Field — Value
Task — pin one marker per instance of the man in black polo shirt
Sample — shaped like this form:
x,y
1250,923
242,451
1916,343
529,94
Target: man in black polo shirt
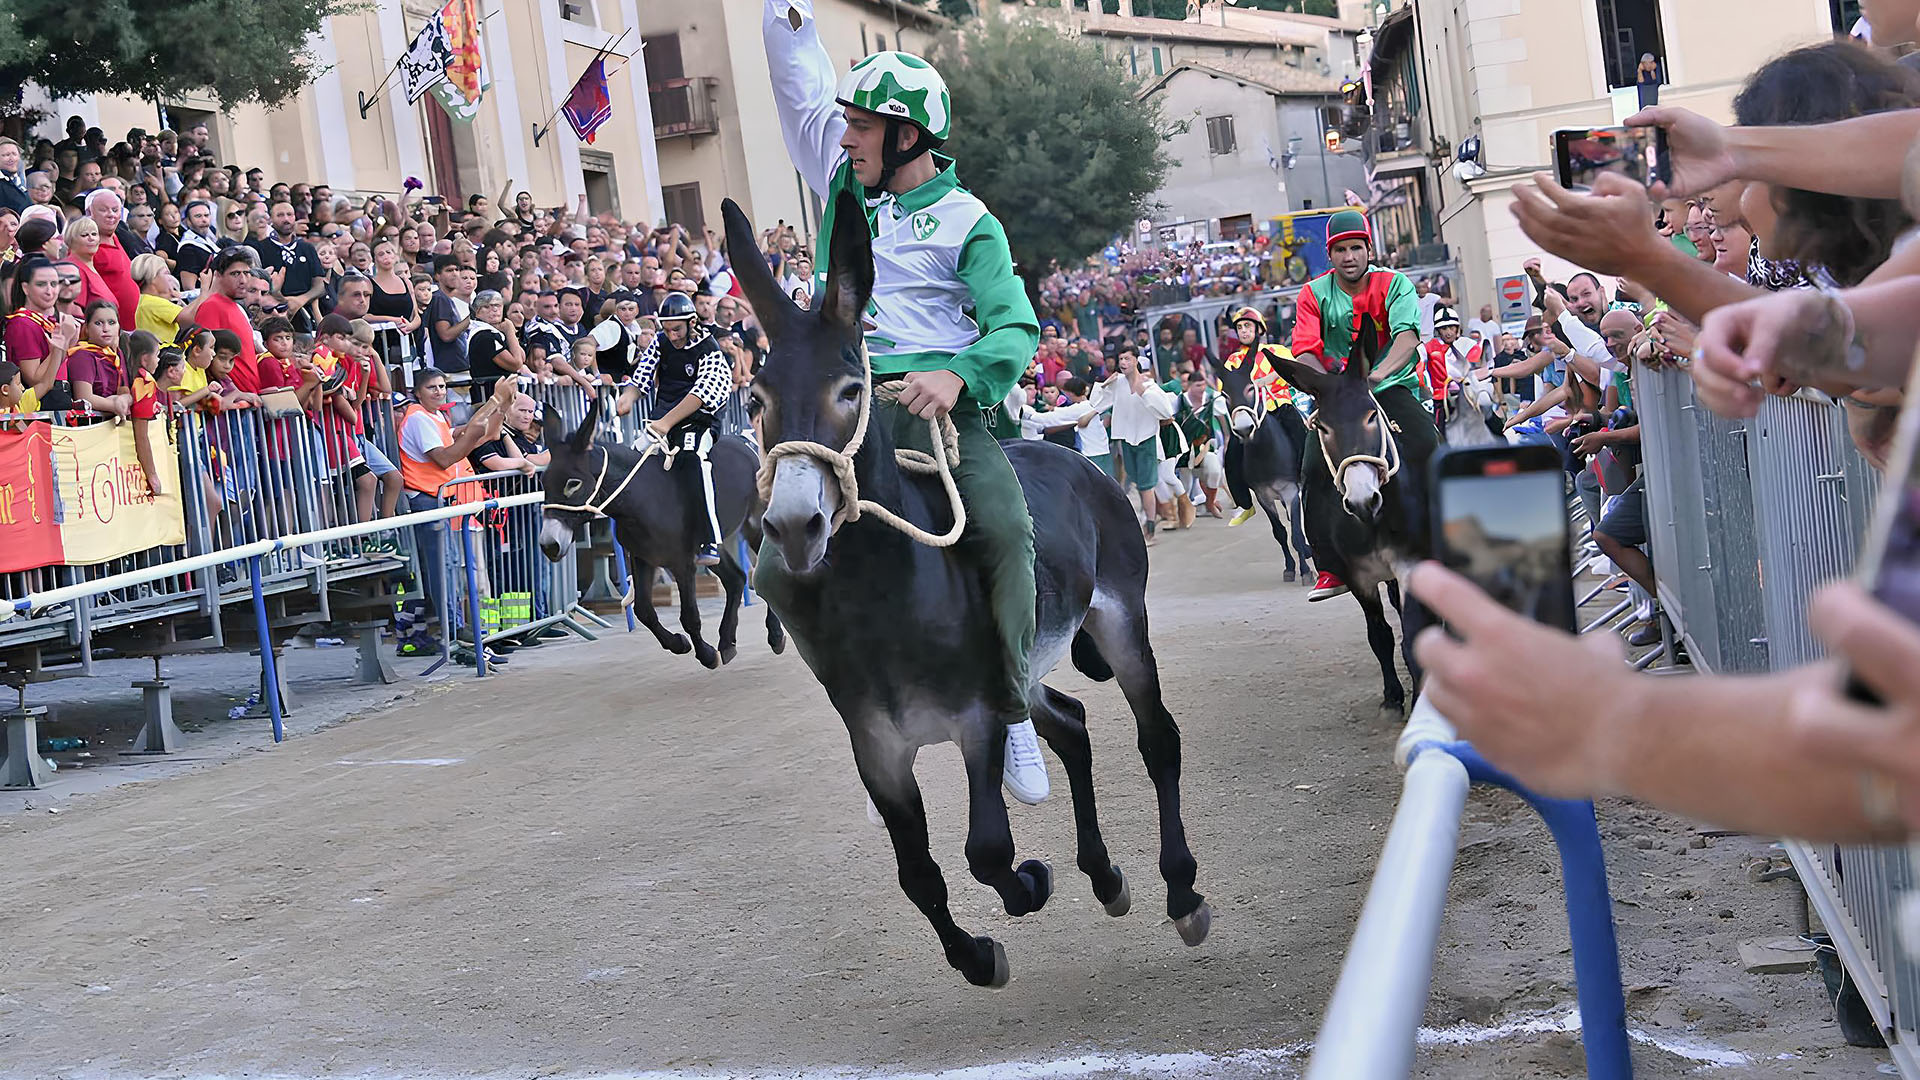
x,y
295,266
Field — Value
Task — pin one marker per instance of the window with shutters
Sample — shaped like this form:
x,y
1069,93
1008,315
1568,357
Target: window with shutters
x,y
683,206
1220,135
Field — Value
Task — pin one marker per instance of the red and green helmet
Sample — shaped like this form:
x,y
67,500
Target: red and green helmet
x,y
1347,225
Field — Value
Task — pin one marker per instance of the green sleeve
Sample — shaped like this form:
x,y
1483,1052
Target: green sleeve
x,y
1403,307
1009,333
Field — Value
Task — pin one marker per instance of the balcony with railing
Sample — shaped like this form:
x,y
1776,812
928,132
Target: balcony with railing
x,y
683,107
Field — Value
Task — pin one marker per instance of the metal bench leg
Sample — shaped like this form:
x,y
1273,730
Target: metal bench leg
x,y
374,665
280,677
158,735
22,767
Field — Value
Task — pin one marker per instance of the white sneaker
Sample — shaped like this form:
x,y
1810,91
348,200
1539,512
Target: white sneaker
x,y
1026,771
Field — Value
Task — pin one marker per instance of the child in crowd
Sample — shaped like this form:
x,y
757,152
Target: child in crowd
x,y
196,348
375,385
16,397
585,357
335,409
169,376
143,353
95,370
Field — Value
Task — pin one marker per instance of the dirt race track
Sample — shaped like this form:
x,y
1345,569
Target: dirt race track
x,y
609,861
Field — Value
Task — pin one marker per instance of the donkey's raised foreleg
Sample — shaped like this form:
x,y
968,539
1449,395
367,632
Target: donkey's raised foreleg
x,y
1119,628
1062,721
640,581
886,768
983,745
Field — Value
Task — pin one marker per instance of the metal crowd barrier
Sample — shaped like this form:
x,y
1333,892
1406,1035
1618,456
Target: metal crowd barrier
x,y
1748,519
280,494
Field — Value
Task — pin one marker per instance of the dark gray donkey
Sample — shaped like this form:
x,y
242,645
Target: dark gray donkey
x,y
900,633
1366,512
1272,447
656,524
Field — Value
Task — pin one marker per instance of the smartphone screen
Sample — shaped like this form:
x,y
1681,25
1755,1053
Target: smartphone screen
x,y
1580,155
1501,517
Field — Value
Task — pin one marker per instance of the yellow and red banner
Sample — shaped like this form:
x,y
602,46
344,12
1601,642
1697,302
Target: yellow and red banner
x,y
80,496
29,511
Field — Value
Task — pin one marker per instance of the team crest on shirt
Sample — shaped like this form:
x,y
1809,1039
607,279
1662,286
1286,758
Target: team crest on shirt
x,y
924,225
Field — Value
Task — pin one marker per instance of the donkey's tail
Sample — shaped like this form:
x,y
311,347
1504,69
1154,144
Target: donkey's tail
x,y
1087,658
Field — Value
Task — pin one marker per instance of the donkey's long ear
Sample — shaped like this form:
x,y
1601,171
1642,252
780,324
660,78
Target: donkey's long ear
x,y
1366,342
582,437
749,265
1310,379
849,264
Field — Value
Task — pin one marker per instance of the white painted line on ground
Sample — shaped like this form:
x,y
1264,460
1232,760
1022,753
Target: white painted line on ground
x,y
1568,1022
1706,1055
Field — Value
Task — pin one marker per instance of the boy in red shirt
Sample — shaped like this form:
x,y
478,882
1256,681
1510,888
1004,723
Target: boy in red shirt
x,y
342,382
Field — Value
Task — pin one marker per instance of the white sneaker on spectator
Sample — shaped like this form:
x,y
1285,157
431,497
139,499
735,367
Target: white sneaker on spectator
x,y
1025,773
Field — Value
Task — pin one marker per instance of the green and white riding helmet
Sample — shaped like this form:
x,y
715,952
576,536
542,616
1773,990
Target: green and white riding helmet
x,y
902,86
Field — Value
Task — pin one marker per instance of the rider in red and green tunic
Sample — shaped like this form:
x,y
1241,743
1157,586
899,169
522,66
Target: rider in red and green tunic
x,y
1327,316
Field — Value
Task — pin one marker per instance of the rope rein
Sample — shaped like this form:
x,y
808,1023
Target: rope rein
x,y
946,452
594,503
1388,459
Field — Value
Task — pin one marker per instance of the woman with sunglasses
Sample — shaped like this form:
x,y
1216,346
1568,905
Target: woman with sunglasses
x,y
37,335
83,242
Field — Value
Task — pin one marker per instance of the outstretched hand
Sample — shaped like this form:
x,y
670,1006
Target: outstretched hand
x,y
1567,751
1882,649
1608,230
1747,349
1701,157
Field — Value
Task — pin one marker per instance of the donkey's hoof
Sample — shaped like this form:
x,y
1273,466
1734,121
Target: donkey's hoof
x,y
678,645
707,657
996,973
1193,927
727,653
1039,878
777,642
1288,576
1122,901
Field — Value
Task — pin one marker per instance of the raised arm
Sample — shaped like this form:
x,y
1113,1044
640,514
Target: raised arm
x,y
803,84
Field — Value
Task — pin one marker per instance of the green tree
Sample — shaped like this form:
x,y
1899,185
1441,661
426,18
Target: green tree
x,y
1051,137
954,9
236,50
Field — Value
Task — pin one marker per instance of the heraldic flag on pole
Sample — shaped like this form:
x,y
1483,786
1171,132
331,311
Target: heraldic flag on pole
x,y
588,106
467,77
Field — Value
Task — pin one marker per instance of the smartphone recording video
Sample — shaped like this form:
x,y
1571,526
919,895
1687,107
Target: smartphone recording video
x,y
1580,155
1500,519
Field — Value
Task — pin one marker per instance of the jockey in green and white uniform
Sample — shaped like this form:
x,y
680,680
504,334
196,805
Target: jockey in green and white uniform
x,y
948,314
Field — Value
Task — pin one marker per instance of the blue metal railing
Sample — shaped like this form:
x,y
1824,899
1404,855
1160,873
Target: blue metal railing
x,y
1373,1021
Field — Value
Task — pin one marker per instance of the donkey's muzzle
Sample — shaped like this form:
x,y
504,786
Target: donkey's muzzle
x,y
799,514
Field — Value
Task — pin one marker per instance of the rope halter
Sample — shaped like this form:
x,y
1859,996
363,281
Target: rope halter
x,y
946,452
596,504
1387,460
